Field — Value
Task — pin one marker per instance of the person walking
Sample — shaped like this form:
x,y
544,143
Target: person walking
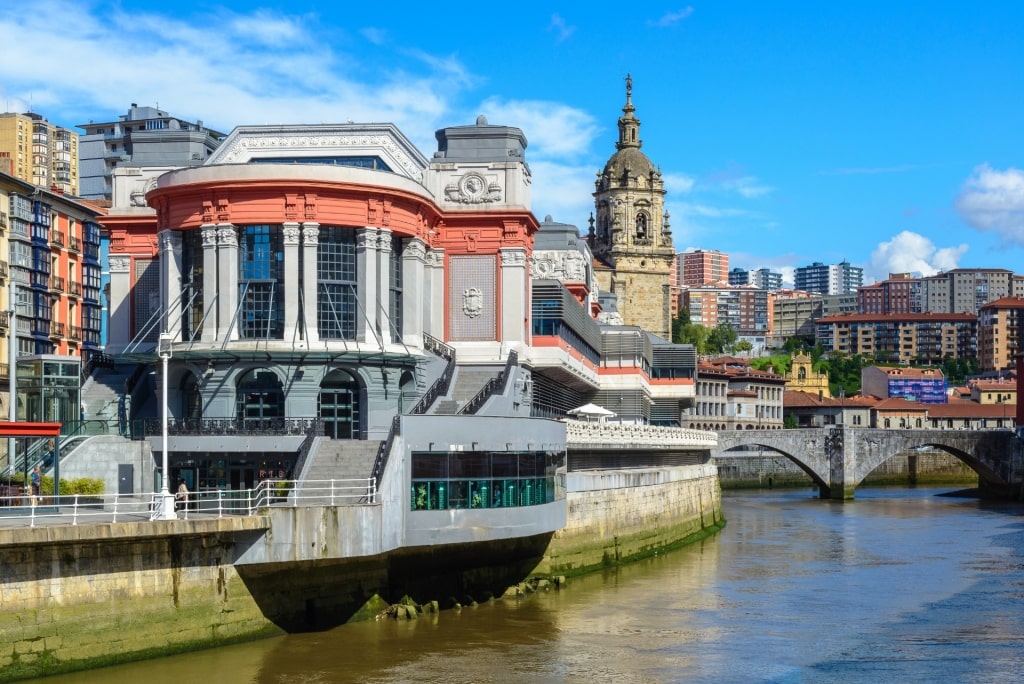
x,y
37,483
181,496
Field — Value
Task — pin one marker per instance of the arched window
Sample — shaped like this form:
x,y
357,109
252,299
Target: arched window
x,y
259,396
641,226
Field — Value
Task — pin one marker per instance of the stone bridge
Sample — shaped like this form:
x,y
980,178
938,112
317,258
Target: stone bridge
x,y
838,458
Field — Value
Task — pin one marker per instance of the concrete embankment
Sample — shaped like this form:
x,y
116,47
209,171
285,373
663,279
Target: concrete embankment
x,y
80,597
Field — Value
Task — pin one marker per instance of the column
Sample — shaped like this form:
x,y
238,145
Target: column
x,y
435,300
227,281
292,284
366,275
210,297
383,311
120,333
310,261
170,282
414,283
513,300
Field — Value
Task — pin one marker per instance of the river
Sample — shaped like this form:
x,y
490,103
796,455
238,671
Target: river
x,y
901,585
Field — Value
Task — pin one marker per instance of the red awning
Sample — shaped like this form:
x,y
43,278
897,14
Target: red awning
x,y
22,429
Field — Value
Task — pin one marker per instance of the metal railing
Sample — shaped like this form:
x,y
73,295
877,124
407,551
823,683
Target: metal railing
x,y
440,386
496,385
20,507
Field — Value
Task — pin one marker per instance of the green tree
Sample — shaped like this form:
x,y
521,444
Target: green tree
x,y
722,337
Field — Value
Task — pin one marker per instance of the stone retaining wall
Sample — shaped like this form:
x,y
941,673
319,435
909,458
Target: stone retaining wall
x,y
77,597
623,515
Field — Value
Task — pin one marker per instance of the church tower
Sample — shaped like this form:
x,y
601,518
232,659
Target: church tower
x,y
631,240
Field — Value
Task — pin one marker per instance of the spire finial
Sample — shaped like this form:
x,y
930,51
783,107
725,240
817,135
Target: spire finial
x,y
629,87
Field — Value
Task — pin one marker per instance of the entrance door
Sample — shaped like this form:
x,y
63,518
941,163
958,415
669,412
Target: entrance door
x,y
338,410
338,405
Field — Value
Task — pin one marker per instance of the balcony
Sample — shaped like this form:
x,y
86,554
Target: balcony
x,y
5,320
4,270
57,329
76,333
75,289
3,220
57,238
74,244
56,284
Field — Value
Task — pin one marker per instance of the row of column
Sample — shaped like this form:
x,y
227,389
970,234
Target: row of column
x,y
422,278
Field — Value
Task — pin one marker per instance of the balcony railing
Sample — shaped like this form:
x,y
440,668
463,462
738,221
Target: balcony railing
x,y
4,270
74,289
74,244
5,320
3,220
56,284
57,238
57,329
76,333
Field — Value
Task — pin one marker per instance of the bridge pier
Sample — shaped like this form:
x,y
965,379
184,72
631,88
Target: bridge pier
x,y
842,466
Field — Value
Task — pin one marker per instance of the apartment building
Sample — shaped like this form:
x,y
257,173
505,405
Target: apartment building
x,y
910,338
39,152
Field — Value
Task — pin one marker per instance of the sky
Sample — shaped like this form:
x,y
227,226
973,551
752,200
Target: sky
x,y
887,134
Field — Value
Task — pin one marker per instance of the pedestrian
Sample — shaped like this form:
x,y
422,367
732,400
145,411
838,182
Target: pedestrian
x,y
37,482
181,497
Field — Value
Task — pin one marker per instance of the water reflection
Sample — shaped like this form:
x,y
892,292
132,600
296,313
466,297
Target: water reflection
x,y
900,585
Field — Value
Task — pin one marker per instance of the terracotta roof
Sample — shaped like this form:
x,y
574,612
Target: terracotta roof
x,y
1005,303
901,404
909,372
965,408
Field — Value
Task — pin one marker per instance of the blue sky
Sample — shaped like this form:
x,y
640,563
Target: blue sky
x,y
884,133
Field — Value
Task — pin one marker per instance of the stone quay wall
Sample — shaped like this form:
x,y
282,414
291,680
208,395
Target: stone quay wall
x,y
623,515
80,597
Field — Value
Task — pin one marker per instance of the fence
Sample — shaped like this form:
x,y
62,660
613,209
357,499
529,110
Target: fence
x,y
21,507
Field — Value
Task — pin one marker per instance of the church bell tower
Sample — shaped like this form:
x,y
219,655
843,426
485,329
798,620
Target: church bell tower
x,y
631,237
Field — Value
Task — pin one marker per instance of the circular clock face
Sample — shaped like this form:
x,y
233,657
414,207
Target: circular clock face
x,y
472,185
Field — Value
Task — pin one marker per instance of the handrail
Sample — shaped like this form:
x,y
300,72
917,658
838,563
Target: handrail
x,y
316,427
441,385
491,387
384,450
77,509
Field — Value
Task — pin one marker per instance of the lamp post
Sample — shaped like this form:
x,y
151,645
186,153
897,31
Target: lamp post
x,y
166,498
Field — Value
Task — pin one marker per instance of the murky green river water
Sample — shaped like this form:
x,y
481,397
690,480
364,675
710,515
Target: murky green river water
x,y
899,586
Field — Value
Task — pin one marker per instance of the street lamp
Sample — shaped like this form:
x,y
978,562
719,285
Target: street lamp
x,y
166,498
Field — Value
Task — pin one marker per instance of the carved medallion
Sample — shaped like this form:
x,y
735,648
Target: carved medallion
x,y
472,302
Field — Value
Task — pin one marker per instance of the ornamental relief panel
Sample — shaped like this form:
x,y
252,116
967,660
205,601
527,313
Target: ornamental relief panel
x,y
473,188
561,266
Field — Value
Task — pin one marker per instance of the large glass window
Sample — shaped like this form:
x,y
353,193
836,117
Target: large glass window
x,y
261,282
482,479
336,283
395,300
192,283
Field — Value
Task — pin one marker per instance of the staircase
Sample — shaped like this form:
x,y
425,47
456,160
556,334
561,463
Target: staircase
x,y
101,393
468,381
337,459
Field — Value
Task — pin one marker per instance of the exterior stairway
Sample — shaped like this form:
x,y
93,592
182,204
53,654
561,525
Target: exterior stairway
x,y
337,459
468,381
101,394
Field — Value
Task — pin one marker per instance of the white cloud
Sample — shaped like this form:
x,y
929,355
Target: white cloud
x,y
993,200
563,192
671,18
678,182
708,211
561,29
552,129
377,36
237,68
910,252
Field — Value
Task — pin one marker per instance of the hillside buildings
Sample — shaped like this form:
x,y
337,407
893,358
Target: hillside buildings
x,y
841,278
703,267
38,152
912,338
